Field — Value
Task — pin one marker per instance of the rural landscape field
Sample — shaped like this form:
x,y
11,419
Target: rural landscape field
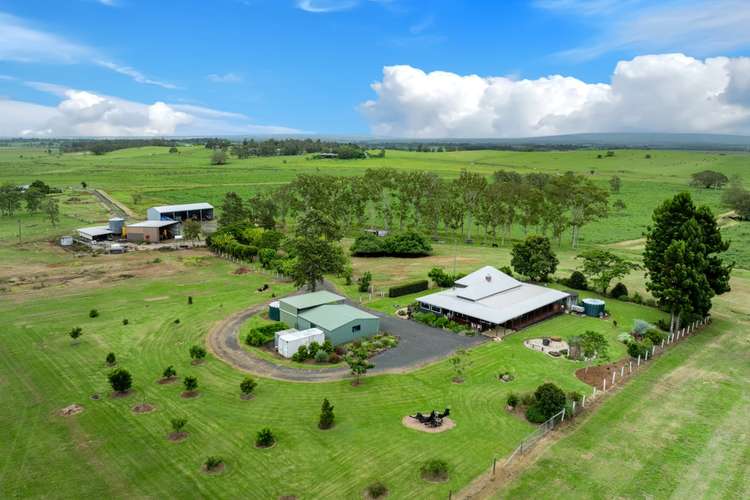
x,y
375,249
657,431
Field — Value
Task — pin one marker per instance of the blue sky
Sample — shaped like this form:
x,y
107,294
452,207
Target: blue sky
x,y
278,66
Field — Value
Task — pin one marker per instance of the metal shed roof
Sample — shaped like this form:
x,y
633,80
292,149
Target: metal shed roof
x,y
497,307
95,231
332,316
165,209
293,335
153,223
313,299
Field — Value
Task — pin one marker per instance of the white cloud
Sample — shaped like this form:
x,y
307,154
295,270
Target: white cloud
x,y
325,6
87,113
701,27
109,3
20,42
660,93
225,78
136,75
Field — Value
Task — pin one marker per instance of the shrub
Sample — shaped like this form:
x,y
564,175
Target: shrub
x,y
507,270
577,281
247,386
637,298
619,290
404,244
408,288
264,438
327,346
340,350
326,415
334,358
110,359
636,348
178,424
624,337
190,383
655,336
197,352
75,332
363,283
125,322
263,334
377,490
527,399
575,396
93,313
301,354
435,469
535,415
321,356
169,372
255,338
443,279
120,380
550,399
313,349
663,325
213,462
513,400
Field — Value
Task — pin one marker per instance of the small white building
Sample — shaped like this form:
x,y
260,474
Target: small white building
x,y
289,341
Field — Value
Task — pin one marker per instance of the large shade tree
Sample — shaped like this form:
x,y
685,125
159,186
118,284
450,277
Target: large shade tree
x,y
683,259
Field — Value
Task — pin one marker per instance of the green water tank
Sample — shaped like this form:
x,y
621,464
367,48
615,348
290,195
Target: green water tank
x,y
274,313
593,307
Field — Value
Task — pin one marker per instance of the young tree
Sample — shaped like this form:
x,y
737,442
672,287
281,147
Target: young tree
x,y
198,353
33,198
191,229
615,183
120,380
594,345
111,359
75,333
602,266
550,399
169,372
232,210
247,386
178,424
10,198
359,363
190,383
52,210
326,415
459,362
683,258
264,438
219,157
263,210
534,258
364,281
137,198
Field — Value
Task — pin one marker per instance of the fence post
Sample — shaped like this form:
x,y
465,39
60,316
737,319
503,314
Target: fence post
x,y
562,419
639,360
583,401
653,351
622,371
613,377
573,410
604,385
494,462
662,344
593,395
630,364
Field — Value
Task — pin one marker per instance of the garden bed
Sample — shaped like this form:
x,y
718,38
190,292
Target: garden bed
x,y
594,375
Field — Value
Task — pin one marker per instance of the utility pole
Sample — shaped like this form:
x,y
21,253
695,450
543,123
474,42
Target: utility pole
x,y
19,230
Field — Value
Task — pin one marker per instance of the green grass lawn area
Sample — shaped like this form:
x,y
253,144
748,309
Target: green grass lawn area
x,y
678,430
109,451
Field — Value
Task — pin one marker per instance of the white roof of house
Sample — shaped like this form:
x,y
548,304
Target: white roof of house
x,y
153,223
293,335
182,208
95,231
493,296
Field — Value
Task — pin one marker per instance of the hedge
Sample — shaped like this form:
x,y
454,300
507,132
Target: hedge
x,y
417,286
405,244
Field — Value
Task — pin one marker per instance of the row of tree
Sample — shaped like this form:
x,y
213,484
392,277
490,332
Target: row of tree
x,y
394,199
35,199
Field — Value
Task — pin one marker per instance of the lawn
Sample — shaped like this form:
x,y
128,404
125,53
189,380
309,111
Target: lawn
x,y
679,430
109,451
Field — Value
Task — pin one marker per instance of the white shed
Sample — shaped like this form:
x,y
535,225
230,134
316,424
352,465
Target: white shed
x,y
289,343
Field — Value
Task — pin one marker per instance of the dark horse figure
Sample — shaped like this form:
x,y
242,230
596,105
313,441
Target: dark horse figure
x,y
434,419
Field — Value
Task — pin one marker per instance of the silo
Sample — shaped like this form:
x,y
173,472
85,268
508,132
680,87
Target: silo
x,y
116,224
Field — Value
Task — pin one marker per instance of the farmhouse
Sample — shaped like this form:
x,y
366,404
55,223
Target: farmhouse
x,y
327,312
488,298
152,231
196,211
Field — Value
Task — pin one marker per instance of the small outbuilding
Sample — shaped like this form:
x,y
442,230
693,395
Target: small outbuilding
x,y
152,231
95,234
289,343
197,211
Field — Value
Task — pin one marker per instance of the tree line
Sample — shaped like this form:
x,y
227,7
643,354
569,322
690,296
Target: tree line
x,y
419,200
33,198
285,147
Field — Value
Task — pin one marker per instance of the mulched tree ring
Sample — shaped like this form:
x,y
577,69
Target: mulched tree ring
x,y
165,381
434,479
287,497
121,394
267,447
247,397
95,396
196,362
143,408
177,437
70,410
458,380
189,394
214,471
